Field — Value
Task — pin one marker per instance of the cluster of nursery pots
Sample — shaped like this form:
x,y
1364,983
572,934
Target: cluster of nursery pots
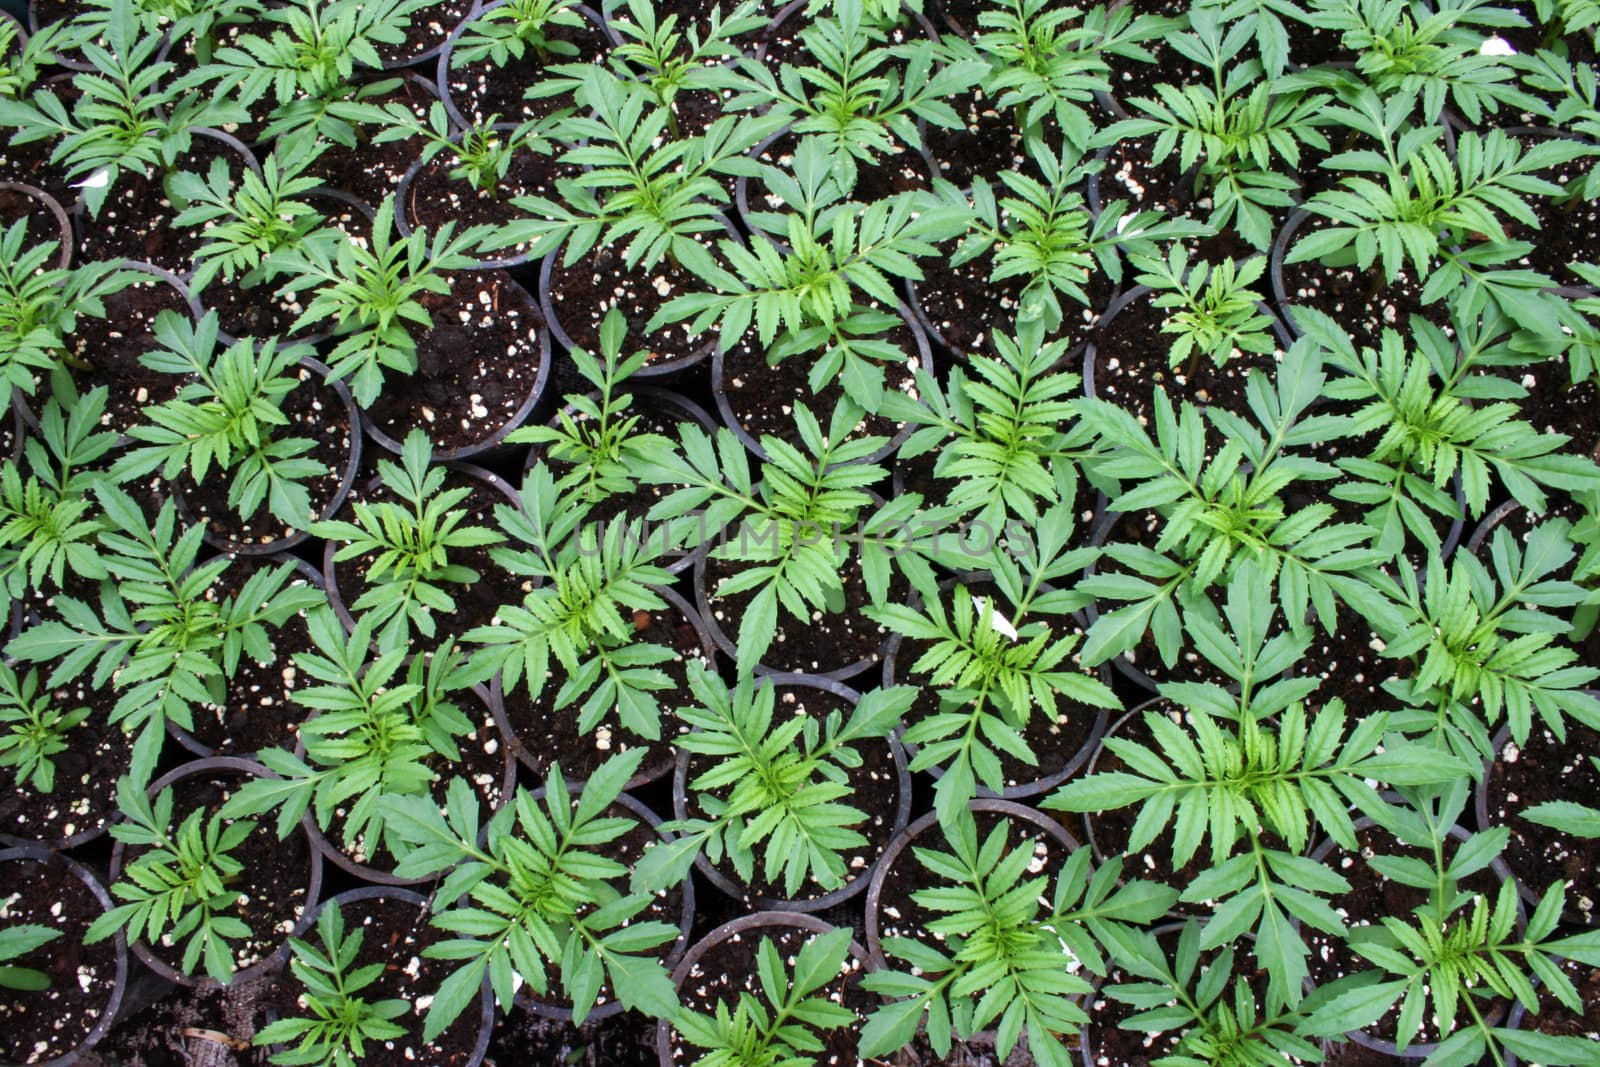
x,y
496,369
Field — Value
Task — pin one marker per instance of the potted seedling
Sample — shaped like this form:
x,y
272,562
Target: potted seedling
x,y
536,898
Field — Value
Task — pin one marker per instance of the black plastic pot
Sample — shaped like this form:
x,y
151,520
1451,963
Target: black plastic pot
x,y
1091,387
53,206
1013,812
611,1008
347,477
748,214
490,442
893,673
452,107
1179,910
663,369
539,762
1088,1052
336,596
273,961
25,404
860,879
745,925
1413,1052
68,60
395,893
304,571
1281,244
119,983
405,208
719,370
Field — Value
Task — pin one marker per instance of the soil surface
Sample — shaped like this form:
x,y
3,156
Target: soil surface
x,y
43,1025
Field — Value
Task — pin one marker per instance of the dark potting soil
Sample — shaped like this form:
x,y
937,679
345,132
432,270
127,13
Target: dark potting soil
x,y
1109,1045
1522,522
481,90
371,171
1555,405
272,887
475,367
1360,302
1542,770
784,44
964,307
397,934
108,350
315,413
915,475
1131,175
698,12
625,1040
1350,665
136,221
694,110
823,644
252,312
434,198
43,225
30,163
762,397
43,1025
476,602
1131,360
657,413
259,711
581,295
901,916
1053,741
164,1027
1131,78
84,798
545,734
729,969
1112,830
1577,47
1373,897
985,144
426,31
665,906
